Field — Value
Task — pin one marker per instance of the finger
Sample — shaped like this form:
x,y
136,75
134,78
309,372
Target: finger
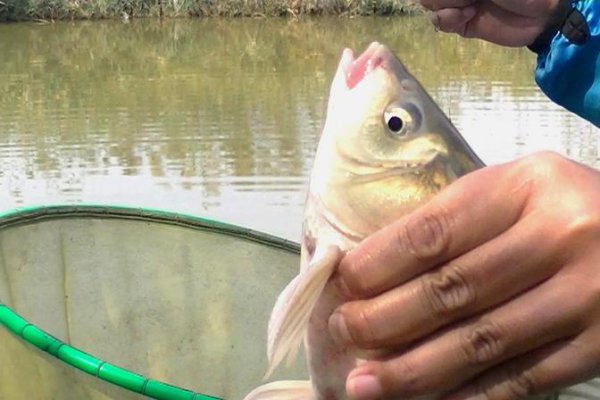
x,y
498,270
449,225
451,358
434,5
551,367
548,369
453,20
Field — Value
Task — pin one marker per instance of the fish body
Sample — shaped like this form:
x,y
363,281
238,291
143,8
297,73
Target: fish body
x,y
386,148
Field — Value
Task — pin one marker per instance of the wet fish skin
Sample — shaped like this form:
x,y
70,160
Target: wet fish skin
x,y
386,148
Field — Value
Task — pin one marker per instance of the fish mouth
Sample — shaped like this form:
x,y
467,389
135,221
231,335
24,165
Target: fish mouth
x,y
356,69
365,171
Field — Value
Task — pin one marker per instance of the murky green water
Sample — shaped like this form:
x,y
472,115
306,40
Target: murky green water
x,y
220,117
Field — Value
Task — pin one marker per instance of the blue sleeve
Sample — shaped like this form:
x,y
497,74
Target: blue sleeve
x,y
568,68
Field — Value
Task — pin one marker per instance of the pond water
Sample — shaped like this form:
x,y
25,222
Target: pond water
x,y
220,118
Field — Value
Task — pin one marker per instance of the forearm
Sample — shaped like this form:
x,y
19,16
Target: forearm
x,y
568,64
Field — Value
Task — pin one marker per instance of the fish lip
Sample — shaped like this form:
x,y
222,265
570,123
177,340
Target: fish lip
x,y
356,69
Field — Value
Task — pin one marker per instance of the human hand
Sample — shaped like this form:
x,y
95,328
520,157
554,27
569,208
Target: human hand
x,y
505,22
491,289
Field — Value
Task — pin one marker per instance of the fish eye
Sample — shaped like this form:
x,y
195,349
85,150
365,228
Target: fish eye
x,y
395,123
398,121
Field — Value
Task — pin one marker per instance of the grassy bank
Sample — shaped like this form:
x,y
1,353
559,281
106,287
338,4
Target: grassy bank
x,y
50,10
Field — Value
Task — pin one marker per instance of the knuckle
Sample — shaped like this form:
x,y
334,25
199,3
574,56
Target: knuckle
x,y
509,383
520,384
548,171
548,157
541,166
448,293
482,344
427,235
584,222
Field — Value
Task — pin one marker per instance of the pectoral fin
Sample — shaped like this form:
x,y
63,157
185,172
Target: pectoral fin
x,y
295,304
283,390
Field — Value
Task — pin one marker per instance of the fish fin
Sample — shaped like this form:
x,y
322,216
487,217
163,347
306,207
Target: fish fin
x,y
283,390
294,306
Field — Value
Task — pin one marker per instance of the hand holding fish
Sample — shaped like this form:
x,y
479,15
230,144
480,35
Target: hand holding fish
x,y
491,289
505,22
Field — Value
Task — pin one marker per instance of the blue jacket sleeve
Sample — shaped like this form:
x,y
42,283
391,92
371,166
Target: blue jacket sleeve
x,y
568,66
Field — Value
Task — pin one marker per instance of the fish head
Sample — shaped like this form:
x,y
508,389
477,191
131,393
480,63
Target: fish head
x,y
386,146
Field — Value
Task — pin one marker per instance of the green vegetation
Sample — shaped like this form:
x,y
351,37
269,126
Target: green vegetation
x,y
50,10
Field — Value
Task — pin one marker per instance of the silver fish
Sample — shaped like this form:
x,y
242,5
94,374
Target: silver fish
x,y
386,148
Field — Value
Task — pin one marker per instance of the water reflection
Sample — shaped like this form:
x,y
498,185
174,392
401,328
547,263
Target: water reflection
x,y
220,117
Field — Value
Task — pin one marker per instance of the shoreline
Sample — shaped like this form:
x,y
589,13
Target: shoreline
x,y
57,10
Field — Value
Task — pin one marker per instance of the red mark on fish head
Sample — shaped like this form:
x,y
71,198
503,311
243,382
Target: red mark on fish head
x,y
367,62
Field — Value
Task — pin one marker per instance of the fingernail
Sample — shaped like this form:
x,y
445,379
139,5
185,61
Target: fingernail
x,y
363,387
338,328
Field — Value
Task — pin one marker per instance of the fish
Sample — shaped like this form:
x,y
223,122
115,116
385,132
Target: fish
x,y
386,148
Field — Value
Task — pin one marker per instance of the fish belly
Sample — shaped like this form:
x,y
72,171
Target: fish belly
x,y
329,363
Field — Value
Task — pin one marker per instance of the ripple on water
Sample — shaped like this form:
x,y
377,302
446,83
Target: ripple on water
x,y
222,119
